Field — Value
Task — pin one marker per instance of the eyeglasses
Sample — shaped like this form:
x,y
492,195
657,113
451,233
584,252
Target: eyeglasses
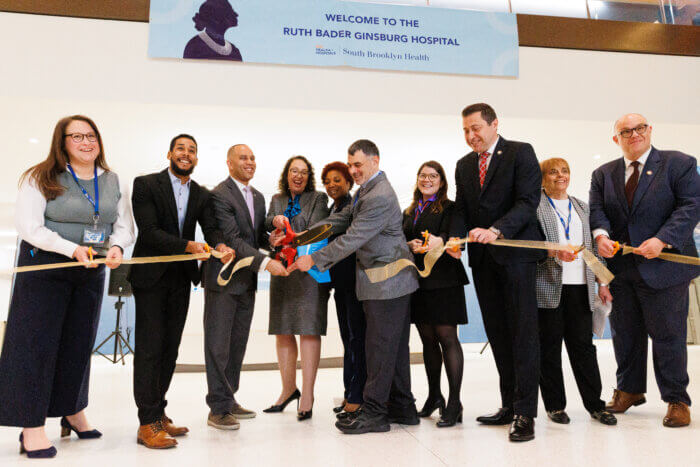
x,y
627,133
431,177
295,172
78,137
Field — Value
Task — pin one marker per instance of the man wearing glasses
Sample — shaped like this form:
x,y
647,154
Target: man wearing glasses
x,y
648,199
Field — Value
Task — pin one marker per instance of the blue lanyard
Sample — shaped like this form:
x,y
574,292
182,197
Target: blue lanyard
x,y
421,207
566,225
96,201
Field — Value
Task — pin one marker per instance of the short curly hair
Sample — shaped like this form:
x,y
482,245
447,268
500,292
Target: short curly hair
x,y
283,184
341,167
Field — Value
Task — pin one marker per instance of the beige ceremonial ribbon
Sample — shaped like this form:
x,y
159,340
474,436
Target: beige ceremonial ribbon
x,y
601,272
676,258
243,262
390,270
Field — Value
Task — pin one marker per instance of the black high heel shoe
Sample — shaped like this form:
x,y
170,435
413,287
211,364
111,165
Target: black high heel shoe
x,y
305,415
280,407
66,428
47,453
340,408
431,405
450,416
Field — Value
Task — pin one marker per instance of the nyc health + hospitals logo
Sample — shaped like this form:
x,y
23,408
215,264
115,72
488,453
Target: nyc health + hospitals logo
x,y
320,50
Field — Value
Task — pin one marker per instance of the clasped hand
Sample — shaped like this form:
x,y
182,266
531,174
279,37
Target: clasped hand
x,y
650,248
416,245
113,259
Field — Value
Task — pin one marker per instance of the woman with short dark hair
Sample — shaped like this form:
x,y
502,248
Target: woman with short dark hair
x,y
351,317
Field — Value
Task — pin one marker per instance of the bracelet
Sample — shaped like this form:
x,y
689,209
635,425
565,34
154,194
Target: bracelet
x,y
603,285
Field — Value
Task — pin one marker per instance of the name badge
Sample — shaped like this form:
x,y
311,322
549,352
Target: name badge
x,y
94,236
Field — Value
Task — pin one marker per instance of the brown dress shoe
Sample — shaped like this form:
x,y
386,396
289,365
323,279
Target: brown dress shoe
x,y
678,415
622,401
153,436
172,429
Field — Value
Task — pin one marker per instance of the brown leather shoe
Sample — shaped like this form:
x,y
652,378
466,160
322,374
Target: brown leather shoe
x,y
153,436
622,401
172,429
677,415
240,412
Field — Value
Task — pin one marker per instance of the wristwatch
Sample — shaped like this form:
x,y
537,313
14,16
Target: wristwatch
x,y
496,231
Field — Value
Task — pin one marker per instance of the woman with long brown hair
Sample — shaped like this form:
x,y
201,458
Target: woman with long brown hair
x,y
67,206
439,305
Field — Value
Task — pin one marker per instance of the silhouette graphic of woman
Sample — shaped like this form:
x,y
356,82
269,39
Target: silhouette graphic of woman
x,y
215,17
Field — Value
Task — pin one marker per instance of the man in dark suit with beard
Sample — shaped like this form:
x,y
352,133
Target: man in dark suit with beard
x,y
167,206
498,190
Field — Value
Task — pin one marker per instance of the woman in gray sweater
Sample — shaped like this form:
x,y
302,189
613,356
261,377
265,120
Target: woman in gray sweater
x,y
67,204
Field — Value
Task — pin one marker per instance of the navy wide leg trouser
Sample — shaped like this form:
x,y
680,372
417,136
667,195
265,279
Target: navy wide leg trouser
x,y
51,327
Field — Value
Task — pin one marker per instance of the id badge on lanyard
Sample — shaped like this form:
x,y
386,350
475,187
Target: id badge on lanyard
x,y
95,235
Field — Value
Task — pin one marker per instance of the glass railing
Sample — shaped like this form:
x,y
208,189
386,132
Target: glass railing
x,y
685,12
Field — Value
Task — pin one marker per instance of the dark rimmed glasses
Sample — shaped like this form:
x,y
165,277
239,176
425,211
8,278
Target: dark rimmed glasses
x,y
640,129
78,137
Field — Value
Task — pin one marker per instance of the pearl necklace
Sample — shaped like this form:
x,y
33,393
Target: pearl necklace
x,y
220,49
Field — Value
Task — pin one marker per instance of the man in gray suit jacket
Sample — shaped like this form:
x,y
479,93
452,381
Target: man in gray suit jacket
x,y
372,229
239,210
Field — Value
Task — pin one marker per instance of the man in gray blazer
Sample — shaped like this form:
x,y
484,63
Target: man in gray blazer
x,y
239,210
372,229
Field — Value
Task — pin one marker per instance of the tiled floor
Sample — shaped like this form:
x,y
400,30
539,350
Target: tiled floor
x,y
278,439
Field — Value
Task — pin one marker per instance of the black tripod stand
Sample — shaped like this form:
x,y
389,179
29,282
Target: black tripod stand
x,y
119,340
118,287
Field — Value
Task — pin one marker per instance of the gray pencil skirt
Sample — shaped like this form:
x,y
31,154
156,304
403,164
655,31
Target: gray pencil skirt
x,y
298,305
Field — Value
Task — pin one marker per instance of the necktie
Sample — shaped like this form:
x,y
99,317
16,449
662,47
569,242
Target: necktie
x,y
632,182
249,202
482,167
356,197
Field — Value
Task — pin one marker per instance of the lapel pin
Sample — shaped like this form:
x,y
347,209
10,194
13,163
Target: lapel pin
x,y
499,152
648,172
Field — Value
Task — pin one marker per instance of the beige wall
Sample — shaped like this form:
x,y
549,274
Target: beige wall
x,y
564,103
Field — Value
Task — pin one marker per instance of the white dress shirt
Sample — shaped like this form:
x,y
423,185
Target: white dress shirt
x,y
29,220
572,272
629,170
241,186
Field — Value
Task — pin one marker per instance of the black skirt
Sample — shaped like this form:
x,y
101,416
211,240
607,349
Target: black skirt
x,y
439,306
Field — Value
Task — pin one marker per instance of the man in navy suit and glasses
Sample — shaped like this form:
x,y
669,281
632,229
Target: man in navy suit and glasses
x,y
648,199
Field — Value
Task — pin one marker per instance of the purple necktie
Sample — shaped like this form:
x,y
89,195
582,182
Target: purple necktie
x,y
249,202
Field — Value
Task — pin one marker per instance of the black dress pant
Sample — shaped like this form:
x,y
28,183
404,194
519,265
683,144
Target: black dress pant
x,y
386,347
161,312
352,324
508,301
51,328
571,321
662,314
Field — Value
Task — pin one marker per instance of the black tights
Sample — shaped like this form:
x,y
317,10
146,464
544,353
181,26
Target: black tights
x,y
440,344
